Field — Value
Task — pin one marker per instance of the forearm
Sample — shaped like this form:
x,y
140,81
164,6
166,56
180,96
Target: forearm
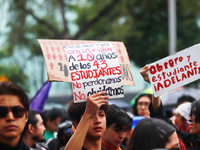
x,y
77,139
155,103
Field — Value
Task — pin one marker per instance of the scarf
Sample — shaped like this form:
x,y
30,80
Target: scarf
x,y
108,146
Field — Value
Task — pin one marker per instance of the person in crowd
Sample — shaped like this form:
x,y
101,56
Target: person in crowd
x,y
185,98
181,116
63,136
140,108
191,140
182,113
182,99
51,120
118,123
14,106
151,133
125,142
89,119
33,131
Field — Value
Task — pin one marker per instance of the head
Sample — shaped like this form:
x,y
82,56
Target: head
x,y
52,119
117,126
181,114
97,126
64,133
14,106
141,106
185,98
195,118
34,126
156,133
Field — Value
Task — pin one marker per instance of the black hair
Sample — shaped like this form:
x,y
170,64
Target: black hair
x,y
55,113
63,136
8,88
31,119
52,114
134,107
76,110
184,98
196,104
64,118
150,133
44,116
118,116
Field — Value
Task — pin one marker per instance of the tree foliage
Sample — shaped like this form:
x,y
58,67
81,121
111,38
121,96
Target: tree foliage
x,y
142,25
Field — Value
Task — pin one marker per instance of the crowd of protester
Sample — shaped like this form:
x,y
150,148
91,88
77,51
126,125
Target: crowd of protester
x,y
97,125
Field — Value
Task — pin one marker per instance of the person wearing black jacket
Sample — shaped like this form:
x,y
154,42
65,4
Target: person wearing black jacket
x,y
14,106
192,139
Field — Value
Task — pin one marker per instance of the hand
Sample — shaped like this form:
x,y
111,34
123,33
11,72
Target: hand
x,y
144,73
94,102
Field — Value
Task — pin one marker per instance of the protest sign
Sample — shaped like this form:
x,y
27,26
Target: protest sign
x,y
94,68
58,67
175,71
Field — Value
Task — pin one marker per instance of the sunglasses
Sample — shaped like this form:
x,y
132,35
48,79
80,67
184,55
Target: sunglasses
x,y
17,111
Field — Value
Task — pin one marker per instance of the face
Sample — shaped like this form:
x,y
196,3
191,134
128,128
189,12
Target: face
x,y
52,126
38,133
97,126
129,133
173,141
194,126
173,119
11,127
114,136
178,120
143,106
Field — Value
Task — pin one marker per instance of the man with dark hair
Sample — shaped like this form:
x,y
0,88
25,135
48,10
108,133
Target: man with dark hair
x,y
89,119
33,131
118,123
14,106
51,121
185,98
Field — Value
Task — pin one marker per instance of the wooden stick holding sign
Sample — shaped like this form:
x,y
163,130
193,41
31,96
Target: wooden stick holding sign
x,y
94,68
175,71
58,67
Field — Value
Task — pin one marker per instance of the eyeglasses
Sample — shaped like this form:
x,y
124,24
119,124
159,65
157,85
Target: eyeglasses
x,y
146,104
17,111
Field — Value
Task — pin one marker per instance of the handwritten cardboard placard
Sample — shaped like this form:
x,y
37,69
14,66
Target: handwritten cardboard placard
x,y
94,68
175,71
58,67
